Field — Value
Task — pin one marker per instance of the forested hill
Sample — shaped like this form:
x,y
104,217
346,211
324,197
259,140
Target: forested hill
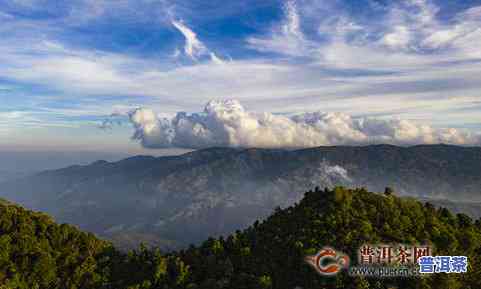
x,y
35,252
268,254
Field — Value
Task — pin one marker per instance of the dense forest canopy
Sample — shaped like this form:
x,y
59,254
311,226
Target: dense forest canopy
x,y
35,252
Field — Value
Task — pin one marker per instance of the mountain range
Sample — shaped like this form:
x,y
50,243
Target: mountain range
x,y
173,201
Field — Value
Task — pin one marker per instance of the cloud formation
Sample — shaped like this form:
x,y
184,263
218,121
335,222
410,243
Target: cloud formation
x,y
227,123
287,39
408,35
415,59
194,48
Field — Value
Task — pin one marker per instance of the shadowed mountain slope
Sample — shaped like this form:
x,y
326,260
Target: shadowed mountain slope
x,y
214,191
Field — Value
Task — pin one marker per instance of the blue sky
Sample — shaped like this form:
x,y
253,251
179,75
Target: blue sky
x,y
66,66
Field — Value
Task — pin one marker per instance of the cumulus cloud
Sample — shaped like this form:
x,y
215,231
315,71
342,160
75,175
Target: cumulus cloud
x,y
349,64
227,123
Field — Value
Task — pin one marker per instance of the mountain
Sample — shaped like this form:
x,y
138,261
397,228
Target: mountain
x,y
185,199
269,254
472,209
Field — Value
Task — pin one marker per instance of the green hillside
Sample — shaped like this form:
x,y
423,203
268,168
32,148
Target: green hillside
x,y
35,252
269,254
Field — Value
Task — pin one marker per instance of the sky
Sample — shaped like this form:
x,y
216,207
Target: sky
x,y
161,76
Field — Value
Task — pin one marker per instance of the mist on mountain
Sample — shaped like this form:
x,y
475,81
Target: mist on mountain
x,y
173,201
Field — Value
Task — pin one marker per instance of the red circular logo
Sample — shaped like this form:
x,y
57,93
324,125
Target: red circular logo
x,y
328,261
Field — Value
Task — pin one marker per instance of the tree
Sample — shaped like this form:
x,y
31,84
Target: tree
x,y
388,191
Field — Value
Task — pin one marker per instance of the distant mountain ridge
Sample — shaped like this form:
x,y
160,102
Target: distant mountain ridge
x,y
189,197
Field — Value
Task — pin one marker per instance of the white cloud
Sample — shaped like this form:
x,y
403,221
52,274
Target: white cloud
x,y
326,79
193,47
399,38
176,54
11,115
227,123
336,171
278,87
293,23
215,59
410,28
287,39
413,26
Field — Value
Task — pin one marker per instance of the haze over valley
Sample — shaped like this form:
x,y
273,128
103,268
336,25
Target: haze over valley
x,y
173,201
